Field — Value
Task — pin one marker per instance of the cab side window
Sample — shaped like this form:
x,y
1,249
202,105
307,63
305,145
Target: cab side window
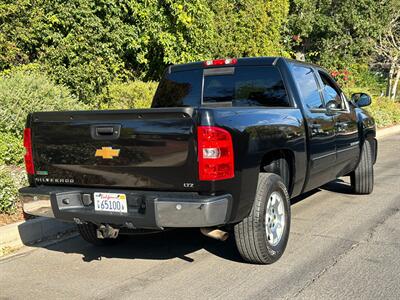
x,y
331,93
308,87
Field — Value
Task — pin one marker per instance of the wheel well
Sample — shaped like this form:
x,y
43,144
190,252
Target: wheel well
x,y
271,163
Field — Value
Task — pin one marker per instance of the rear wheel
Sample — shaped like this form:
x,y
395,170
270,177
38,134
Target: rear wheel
x,y
262,236
362,178
88,232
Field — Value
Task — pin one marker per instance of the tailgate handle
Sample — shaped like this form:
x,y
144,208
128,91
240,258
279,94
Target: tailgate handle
x,y
105,131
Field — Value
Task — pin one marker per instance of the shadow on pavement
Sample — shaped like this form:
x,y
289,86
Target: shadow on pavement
x,y
178,243
338,186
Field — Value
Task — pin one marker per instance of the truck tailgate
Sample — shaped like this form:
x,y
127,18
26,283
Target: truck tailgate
x,y
146,149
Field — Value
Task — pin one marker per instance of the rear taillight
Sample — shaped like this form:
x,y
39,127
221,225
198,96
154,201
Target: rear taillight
x,y
30,168
215,153
220,62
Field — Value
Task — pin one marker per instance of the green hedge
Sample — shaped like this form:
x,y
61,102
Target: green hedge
x,y
129,95
385,111
11,149
25,91
11,179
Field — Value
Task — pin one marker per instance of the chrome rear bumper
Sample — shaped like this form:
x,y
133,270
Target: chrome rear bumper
x,y
146,209
181,213
37,204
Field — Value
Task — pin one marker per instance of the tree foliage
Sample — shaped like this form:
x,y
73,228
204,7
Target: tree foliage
x,y
248,27
86,45
337,33
388,52
90,45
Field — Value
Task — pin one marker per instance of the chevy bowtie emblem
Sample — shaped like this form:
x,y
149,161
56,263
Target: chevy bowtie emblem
x,y
107,152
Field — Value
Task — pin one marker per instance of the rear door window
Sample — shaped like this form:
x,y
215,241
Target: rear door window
x,y
308,87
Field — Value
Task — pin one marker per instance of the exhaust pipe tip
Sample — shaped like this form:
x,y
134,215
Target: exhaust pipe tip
x,y
215,233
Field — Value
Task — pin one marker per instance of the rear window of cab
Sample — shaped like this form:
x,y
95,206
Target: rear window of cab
x,y
232,86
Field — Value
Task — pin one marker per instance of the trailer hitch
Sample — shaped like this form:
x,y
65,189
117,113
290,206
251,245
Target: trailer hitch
x,y
107,232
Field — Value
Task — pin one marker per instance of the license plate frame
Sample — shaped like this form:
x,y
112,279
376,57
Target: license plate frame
x,y
110,202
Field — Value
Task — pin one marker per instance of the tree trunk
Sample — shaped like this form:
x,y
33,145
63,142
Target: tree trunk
x,y
395,84
389,83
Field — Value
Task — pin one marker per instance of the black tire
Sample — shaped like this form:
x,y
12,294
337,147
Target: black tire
x,y
250,233
362,178
88,232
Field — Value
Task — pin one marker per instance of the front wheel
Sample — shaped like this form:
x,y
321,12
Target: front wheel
x,y
362,178
262,236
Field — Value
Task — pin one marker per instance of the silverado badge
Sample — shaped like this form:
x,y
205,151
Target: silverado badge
x,y
107,152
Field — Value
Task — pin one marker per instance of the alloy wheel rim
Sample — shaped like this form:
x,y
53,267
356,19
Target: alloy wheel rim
x,y
275,219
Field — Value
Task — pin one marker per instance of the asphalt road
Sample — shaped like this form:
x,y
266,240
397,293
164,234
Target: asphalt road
x,y
341,246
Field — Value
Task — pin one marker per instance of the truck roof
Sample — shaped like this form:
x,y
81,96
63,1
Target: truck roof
x,y
243,61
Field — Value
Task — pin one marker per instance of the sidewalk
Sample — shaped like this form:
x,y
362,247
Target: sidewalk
x,y
16,235
388,131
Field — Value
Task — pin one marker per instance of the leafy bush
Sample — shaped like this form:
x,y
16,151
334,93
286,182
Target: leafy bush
x,y
25,91
385,111
361,78
11,149
129,95
364,77
11,179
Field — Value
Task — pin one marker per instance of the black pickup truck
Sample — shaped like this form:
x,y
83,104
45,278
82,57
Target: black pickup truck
x,y
225,146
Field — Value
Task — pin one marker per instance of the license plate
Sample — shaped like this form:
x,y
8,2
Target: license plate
x,y
110,202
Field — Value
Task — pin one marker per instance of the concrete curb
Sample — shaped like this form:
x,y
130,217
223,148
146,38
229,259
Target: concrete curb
x,y
40,229
32,231
388,131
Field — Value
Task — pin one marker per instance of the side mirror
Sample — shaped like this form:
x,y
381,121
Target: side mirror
x,y
361,99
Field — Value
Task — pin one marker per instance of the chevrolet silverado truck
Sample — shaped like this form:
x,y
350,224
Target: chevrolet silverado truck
x,y
225,146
